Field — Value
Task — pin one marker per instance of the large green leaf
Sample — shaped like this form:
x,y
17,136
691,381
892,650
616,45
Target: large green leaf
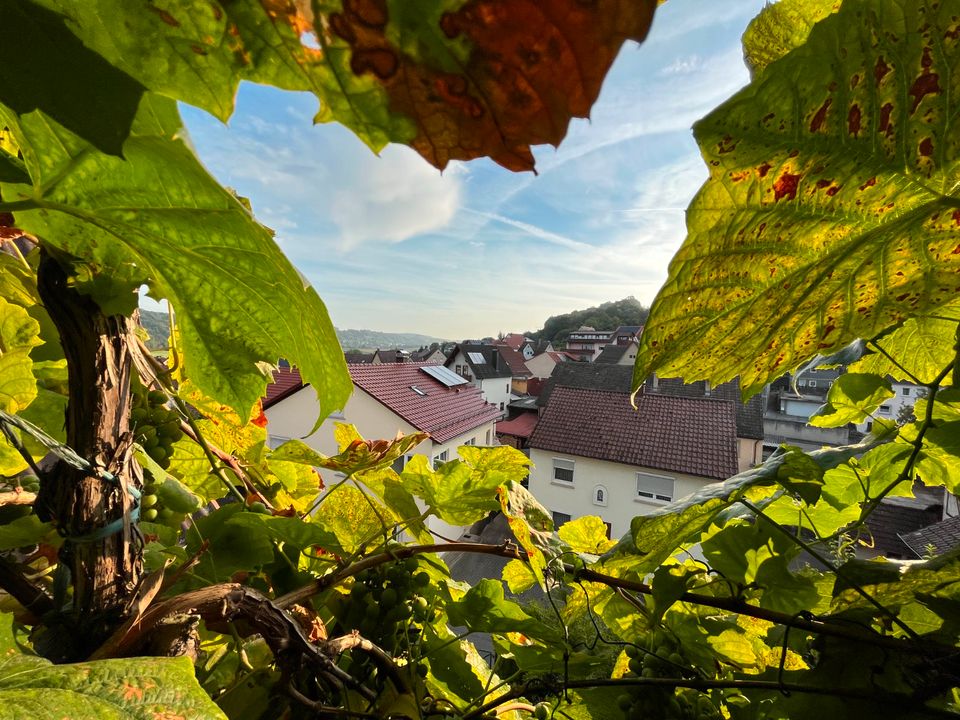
x,y
922,348
126,689
43,65
455,492
831,211
485,609
851,399
159,218
19,333
454,80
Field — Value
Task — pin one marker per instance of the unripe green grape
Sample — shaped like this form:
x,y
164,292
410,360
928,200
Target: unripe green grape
x,y
541,711
149,514
148,501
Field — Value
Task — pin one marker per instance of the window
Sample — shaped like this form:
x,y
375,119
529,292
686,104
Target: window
x,y
906,391
654,487
501,407
812,383
563,470
508,388
418,391
440,458
476,358
488,437
885,409
471,441
559,519
600,495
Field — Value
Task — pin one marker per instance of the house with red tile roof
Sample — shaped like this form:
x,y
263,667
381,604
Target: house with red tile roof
x,y
518,367
594,454
388,398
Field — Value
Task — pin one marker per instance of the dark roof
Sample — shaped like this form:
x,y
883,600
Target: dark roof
x,y
612,354
940,537
358,357
697,436
393,355
286,381
749,414
628,330
494,366
520,426
613,378
421,355
444,412
889,522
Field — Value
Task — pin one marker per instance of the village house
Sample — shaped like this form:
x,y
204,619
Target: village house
x,y
387,399
594,454
587,342
484,367
543,364
619,353
520,373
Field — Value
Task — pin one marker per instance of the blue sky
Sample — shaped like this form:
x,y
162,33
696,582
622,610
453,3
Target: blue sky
x,y
392,244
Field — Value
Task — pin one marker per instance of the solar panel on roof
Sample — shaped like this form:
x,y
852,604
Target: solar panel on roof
x,y
476,358
445,375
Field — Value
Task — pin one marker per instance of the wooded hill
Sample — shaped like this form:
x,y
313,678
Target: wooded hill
x,y
608,316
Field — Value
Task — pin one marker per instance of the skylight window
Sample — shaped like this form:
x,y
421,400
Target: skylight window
x,y
476,358
418,391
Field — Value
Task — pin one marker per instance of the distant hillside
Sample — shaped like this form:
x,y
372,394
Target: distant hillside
x,y
372,339
156,325
608,316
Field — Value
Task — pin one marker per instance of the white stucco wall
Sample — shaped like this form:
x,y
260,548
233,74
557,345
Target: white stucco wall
x,y
294,416
619,481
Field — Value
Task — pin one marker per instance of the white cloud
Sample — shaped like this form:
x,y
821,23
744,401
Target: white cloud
x,y
393,198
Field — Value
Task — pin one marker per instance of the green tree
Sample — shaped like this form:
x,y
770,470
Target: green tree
x,y
826,226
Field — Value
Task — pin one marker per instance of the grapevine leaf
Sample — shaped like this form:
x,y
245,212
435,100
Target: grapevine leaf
x,y
233,546
830,212
938,463
530,524
28,530
146,688
290,530
656,536
518,576
46,66
587,534
158,218
780,27
299,484
456,670
454,492
852,398
895,583
347,512
388,486
922,347
455,80
19,333
485,609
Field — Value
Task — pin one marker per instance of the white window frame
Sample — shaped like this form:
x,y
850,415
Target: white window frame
x,y
471,441
572,469
597,491
651,495
906,391
553,516
440,458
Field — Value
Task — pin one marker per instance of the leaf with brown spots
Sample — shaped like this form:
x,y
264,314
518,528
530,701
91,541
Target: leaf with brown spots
x,y
455,80
830,211
127,689
780,27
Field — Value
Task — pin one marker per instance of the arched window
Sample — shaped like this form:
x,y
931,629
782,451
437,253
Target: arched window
x,y
600,495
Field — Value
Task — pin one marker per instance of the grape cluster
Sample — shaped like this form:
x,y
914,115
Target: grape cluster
x,y
152,505
661,657
156,427
389,605
30,483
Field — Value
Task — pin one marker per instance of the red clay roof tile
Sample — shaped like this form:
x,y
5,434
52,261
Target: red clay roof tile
x,y
696,436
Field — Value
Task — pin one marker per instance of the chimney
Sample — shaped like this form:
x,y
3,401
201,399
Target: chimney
x,y
495,359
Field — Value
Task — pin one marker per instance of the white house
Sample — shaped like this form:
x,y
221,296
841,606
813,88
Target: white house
x,y
486,369
594,454
387,399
